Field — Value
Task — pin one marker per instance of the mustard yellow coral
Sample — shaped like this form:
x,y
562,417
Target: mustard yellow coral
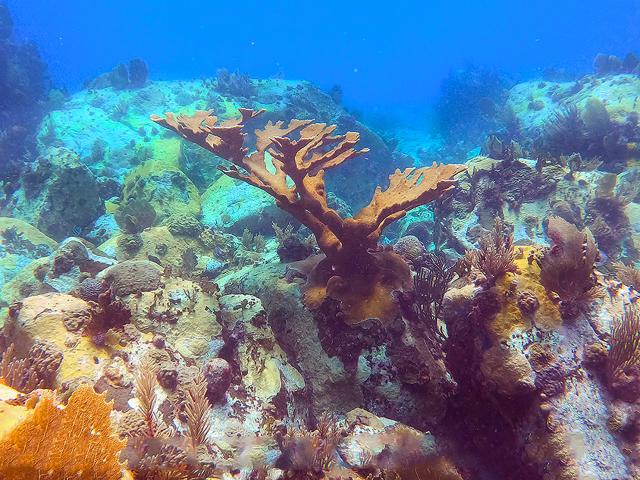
x,y
511,316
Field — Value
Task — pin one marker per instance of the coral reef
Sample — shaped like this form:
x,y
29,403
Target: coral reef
x,y
132,75
274,327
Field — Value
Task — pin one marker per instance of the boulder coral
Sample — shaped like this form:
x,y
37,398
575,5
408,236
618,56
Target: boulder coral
x,y
291,169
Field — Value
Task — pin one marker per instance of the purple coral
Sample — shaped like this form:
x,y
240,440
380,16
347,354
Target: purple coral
x,y
567,268
410,248
496,255
90,289
527,301
218,375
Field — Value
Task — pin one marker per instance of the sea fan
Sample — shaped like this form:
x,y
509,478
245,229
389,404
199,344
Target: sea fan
x,y
74,442
567,268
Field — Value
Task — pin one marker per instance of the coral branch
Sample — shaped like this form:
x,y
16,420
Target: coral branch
x,y
289,164
407,190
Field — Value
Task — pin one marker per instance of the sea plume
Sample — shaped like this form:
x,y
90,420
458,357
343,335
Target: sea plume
x,y
495,256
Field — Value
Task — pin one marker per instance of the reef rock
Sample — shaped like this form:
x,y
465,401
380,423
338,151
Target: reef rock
x,y
58,195
233,207
177,309
20,244
60,320
614,92
266,368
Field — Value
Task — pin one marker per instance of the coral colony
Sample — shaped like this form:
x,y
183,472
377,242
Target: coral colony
x,y
259,286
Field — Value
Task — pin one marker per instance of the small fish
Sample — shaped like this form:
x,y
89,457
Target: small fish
x,y
154,259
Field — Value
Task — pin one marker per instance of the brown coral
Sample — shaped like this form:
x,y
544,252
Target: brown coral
x,y
528,302
567,268
301,152
628,275
74,442
624,354
496,255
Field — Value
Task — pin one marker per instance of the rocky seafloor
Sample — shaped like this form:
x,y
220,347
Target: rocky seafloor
x,y
491,335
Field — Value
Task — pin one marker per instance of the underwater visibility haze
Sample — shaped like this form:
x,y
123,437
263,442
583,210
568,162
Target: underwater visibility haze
x,y
342,240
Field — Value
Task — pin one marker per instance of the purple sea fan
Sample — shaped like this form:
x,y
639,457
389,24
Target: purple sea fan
x,y
567,268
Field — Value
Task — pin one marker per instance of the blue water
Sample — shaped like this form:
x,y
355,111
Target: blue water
x,y
383,54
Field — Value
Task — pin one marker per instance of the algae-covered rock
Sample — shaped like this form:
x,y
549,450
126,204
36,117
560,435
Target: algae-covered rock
x,y
62,271
180,311
370,433
74,260
58,194
168,190
266,369
508,370
200,165
233,206
178,251
20,244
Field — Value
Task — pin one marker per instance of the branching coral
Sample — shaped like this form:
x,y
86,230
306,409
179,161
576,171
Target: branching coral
x,y
624,342
430,285
311,451
565,132
628,275
196,411
289,164
74,442
496,254
157,451
623,366
567,268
